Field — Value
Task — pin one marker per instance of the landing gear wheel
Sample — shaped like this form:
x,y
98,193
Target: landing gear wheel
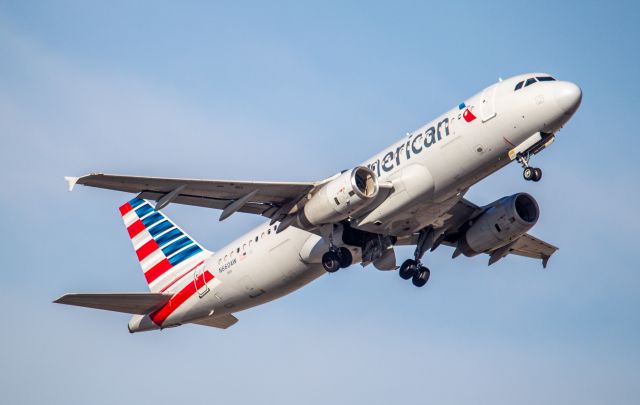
x,y
420,278
344,257
331,261
528,173
537,174
408,269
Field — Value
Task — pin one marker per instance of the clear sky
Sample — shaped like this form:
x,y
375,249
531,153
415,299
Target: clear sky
x,y
295,91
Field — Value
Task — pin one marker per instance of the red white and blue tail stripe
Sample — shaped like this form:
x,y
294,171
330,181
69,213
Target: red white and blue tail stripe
x,y
165,252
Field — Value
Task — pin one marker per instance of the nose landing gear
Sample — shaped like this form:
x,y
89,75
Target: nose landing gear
x,y
529,173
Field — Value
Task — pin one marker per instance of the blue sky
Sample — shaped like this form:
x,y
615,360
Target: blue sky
x,y
293,91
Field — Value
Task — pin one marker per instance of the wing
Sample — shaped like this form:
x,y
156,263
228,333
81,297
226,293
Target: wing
x,y
452,224
530,246
271,199
129,303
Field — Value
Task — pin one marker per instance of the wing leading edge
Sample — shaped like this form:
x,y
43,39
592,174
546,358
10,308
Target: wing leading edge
x,y
256,197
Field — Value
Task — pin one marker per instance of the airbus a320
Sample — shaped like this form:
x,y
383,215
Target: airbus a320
x,y
411,193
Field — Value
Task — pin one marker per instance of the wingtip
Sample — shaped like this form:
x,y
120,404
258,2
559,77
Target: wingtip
x,y
71,181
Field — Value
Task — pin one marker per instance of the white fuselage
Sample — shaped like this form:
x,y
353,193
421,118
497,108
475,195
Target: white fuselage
x,y
431,168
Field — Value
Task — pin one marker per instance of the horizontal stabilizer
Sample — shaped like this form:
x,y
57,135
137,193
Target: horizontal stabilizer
x,y
129,303
222,322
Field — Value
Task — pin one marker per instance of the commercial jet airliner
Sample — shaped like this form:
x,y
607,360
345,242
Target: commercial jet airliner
x,y
411,193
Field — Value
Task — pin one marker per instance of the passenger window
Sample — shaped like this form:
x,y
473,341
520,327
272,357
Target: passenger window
x,y
219,261
519,86
530,81
256,238
269,231
262,235
238,250
545,79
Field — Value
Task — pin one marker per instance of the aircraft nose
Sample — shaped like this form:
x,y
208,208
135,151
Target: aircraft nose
x,y
568,97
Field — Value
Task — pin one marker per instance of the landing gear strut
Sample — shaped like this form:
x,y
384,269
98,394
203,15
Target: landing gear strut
x,y
413,268
529,173
336,259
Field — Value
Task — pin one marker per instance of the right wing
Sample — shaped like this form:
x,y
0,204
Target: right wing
x,y
129,303
452,226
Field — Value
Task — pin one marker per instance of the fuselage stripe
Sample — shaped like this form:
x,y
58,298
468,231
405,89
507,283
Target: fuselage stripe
x,y
161,315
180,276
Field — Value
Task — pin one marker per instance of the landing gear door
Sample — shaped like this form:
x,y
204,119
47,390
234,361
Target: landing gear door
x,y
199,281
488,103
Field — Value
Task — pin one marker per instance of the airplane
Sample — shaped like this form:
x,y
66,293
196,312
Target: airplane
x,y
411,193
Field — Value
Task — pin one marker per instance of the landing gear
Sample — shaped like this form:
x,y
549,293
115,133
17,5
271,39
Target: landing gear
x,y
529,173
336,259
421,278
532,173
414,270
408,269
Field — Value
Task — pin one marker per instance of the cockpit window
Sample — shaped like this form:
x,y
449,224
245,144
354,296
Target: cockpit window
x,y
530,81
518,86
545,79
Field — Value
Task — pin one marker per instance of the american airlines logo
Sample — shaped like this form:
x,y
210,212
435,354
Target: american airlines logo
x,y
415,145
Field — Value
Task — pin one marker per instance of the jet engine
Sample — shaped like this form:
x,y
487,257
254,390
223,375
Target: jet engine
x,y
339,198
504,221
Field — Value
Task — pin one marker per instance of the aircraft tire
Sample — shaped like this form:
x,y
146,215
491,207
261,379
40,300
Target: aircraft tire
x,y
537,174
345,257
529,173
421,278
331,262
408,269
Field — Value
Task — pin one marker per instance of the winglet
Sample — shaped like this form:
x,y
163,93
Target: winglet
x,y
545,260
72,181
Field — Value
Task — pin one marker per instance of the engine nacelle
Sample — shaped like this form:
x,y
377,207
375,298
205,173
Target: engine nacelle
x,y
503,222
341,197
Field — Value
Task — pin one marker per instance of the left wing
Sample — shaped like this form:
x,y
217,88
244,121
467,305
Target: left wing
x,y
270,199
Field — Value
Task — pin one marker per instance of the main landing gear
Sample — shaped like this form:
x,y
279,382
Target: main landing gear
x,y
336,259
413,268
529,173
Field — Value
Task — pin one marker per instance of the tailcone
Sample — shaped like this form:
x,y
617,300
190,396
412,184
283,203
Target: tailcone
x,y
141,323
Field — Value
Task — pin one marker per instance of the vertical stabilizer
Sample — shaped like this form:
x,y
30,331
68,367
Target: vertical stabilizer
x,y
165,252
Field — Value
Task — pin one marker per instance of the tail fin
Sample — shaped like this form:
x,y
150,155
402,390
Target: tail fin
x,y
165,252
